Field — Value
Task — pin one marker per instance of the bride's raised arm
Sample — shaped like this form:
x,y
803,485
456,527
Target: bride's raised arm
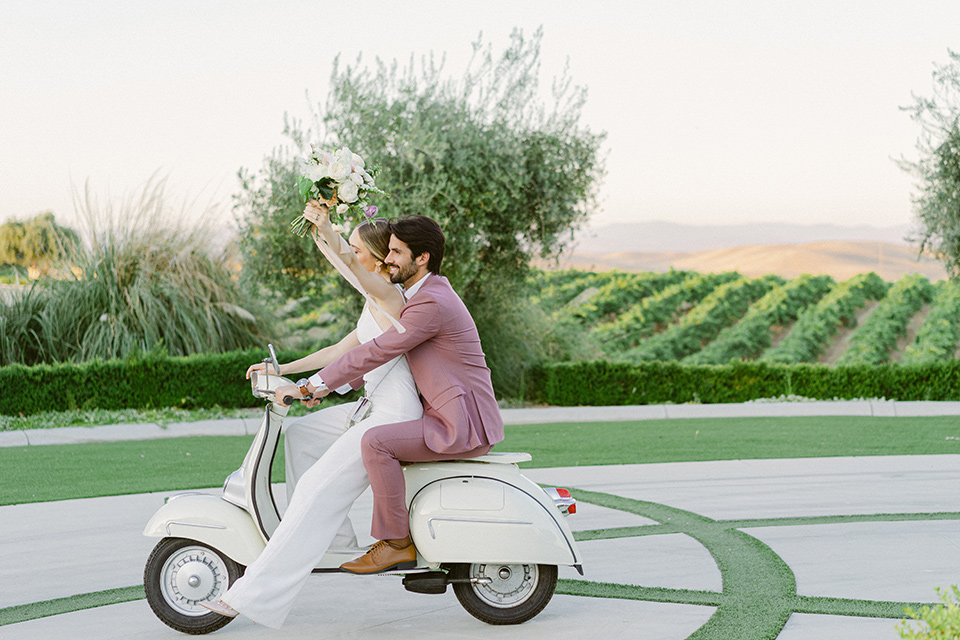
x,y
375,285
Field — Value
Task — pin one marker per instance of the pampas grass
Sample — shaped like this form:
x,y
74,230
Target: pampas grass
x,y
144,278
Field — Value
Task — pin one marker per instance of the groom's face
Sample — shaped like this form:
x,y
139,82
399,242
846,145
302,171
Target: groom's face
x,y
403,266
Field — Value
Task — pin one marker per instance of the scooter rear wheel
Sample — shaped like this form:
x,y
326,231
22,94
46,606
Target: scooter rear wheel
x,y
181,573
503,593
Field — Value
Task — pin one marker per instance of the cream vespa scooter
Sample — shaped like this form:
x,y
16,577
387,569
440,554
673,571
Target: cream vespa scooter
x,y
478,524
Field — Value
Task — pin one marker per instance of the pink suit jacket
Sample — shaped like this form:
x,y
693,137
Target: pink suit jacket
x,y
443,350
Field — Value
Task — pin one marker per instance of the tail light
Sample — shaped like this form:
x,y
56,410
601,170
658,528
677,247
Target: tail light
x,y
564,501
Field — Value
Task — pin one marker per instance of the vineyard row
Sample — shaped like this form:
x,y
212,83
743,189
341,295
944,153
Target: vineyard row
x,y
696,318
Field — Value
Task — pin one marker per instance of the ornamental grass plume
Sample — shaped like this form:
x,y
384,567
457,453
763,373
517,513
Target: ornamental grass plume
x,y
143,278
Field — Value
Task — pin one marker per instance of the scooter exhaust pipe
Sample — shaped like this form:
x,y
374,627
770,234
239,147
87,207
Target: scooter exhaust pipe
x,y
435,582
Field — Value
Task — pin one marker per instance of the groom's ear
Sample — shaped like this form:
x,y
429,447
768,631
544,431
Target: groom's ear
x,y
422,259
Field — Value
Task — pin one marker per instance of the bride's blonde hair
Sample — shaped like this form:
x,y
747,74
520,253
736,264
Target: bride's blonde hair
x,y
375,234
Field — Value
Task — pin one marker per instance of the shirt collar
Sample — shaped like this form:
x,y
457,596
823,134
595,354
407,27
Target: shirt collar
x,y
412,290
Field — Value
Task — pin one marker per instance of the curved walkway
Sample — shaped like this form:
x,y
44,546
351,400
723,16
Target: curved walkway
x,y
788,549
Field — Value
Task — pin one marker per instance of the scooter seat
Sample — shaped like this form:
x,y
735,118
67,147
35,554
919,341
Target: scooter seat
x,y
499,457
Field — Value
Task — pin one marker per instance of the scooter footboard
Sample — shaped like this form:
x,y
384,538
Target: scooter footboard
x,y
477,519
211,520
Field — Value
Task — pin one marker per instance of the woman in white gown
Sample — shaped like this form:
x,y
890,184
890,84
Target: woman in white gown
x,y
327,482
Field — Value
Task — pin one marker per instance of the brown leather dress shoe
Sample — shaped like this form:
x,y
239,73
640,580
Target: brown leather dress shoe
x,y
386,555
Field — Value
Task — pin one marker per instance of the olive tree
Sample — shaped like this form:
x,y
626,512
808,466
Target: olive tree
x,y
937,171
39,241
506,172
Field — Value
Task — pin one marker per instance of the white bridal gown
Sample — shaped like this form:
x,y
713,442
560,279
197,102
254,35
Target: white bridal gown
x,y
316,516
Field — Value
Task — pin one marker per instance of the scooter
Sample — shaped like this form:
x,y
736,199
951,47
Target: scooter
x,y
478,525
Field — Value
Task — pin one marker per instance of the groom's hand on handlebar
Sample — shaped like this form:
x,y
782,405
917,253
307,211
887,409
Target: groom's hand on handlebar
x,y
288,393
316,397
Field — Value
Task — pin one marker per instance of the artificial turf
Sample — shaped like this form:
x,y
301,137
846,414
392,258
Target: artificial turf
x,y
759,590
699,439
59,472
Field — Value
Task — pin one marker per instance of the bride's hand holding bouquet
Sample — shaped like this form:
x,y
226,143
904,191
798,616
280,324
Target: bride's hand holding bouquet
x,y
318,214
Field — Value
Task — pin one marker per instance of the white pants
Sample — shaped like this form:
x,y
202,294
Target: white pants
x,y
318,508
305,440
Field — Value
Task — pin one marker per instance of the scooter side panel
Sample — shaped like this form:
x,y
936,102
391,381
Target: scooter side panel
x,y
475,519
210,520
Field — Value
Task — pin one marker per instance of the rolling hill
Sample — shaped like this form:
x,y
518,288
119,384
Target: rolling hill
x,y
840,259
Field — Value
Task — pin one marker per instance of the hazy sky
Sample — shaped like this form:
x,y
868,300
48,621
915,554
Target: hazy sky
x,y
716,111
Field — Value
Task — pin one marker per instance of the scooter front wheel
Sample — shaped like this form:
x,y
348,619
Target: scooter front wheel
x,y
503,593
180,574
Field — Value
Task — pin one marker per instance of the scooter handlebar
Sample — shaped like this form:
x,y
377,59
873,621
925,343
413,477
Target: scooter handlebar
x,y
289,400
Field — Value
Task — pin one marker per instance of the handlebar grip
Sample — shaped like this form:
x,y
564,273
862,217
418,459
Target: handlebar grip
x,y
289,400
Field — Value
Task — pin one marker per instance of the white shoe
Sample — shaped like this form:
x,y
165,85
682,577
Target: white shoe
x,y
220,607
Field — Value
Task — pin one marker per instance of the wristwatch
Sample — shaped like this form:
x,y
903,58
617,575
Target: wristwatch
x,y
302,384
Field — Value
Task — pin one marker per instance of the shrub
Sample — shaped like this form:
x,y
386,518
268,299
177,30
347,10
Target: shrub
x,y
148,381
932,622
618,383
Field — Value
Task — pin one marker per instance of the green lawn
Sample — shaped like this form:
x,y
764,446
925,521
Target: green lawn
x,y
58,472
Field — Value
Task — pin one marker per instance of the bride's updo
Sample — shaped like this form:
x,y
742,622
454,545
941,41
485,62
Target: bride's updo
x,y
375,234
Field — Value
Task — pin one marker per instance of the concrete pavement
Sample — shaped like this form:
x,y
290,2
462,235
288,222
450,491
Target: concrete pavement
x,y
796,508
849,529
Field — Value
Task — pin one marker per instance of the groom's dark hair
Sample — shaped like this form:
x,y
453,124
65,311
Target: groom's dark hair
x,y
422,235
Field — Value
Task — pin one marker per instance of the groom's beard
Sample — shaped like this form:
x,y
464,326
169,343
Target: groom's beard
x,y
404,273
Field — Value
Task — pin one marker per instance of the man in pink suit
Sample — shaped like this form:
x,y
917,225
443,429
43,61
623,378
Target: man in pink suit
x,y
461,418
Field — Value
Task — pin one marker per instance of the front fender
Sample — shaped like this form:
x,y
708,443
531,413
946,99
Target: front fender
x,y
211,520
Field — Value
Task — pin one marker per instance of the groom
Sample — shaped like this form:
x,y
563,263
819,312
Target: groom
x,y
461,418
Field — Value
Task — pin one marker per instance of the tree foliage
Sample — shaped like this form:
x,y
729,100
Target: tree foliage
x,y
507,177
37,242
937,171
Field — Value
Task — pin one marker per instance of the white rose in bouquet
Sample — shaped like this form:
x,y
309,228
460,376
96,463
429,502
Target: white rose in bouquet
x,y
348,191
316,171
343,208
338,170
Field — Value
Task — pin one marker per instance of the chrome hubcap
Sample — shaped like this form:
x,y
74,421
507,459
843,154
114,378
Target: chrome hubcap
x,y
190,576
505,585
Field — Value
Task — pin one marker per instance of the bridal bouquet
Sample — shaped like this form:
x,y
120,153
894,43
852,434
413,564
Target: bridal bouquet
x,y
339,179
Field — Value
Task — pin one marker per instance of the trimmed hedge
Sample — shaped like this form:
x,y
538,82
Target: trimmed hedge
x,y
614,383
135,383
218,379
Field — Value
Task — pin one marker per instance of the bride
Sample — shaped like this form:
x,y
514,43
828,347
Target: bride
x,y
324,469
